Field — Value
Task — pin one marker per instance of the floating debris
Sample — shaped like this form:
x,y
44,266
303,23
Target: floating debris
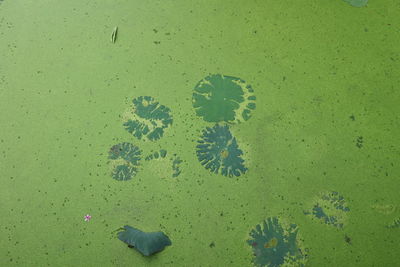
x,y
145,243
124,159
219,98
275,244
87,217
219,152
331,208
148,118
114,34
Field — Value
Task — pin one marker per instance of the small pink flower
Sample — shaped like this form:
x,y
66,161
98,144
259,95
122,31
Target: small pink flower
x,y
87,217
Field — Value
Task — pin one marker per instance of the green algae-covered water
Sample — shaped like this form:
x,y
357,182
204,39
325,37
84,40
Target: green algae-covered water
x,y
252,133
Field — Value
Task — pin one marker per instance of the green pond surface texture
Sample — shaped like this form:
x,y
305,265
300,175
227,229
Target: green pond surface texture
x,y
251,133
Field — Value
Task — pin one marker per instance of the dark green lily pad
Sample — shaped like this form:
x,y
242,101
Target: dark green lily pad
x,y
145,243
275,245
330,208
219,152
148,118
220,98
125,160
357,3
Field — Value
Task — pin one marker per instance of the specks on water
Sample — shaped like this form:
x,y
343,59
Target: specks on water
x,y
359,142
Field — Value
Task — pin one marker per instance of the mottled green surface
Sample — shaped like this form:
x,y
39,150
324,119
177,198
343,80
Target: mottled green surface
x,y
326,77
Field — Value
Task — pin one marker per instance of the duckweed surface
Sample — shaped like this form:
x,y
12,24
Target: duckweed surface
x,y
289,98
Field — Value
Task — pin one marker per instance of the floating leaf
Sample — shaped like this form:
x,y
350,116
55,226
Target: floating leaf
x,y
148,118
274,244
219,152
145,243
114,34
220,98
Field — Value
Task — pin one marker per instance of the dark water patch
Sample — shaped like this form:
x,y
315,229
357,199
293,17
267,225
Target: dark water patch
x,y
218,152
219,98
124,160
275,244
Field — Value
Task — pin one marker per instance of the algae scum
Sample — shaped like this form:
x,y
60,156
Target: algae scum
x,y
245,133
